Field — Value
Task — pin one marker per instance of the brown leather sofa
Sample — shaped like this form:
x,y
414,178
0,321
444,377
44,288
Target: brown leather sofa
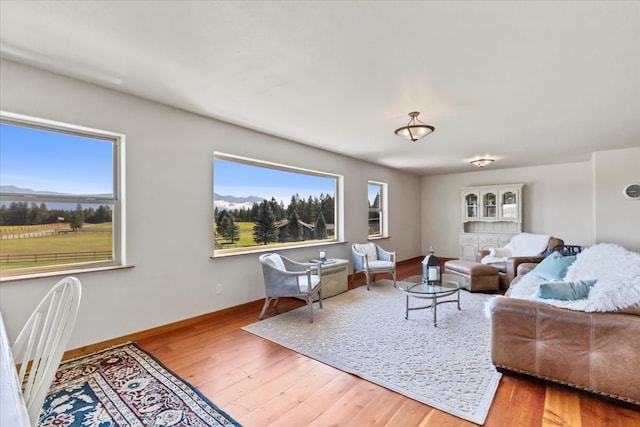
x,y
596,352
593,351
508,270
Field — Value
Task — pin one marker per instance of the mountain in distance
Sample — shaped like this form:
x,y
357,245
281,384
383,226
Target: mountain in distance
x,y
225,202
14,189
233,202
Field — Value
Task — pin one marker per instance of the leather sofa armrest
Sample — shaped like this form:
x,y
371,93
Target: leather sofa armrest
x,y
555,244
524,268
513,263
513,333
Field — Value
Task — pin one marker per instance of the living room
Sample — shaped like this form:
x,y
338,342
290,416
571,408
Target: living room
x,y
561,200
168,167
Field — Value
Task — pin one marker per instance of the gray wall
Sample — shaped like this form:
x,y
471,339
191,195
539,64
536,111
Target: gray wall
x,y
169,155
617,218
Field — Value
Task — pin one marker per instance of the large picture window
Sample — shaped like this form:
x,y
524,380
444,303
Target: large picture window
x,y
259,204
60,198
377,209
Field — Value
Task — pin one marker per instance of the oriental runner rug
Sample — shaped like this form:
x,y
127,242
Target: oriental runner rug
x,y
365,333
125,386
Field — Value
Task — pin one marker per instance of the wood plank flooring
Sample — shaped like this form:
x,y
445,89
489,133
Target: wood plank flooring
x,y
262,384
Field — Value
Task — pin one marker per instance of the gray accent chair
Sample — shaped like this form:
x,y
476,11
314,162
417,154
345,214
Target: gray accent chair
x,y
372,259
287,278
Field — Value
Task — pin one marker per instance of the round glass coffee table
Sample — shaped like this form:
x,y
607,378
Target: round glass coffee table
x,y
451,286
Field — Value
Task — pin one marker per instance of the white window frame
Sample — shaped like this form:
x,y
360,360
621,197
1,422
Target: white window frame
x,y
382,210
338,206
117,200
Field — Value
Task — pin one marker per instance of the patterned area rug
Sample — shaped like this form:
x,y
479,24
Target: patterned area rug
x,y
365,333
125,386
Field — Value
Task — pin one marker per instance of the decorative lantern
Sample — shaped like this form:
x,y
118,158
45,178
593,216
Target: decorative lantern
x,y
431,274
322,256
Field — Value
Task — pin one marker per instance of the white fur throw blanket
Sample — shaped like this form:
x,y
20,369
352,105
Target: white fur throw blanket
x,y
523,244
616,270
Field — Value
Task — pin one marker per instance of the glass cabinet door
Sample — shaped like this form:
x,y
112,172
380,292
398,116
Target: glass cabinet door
x,y
471,205
489,205
509,204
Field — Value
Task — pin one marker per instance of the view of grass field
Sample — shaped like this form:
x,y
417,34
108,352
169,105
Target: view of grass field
x,y
91,243
246,238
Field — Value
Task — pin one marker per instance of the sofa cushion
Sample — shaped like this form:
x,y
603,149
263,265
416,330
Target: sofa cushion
x,y
565,291
616,269
553,267
499,252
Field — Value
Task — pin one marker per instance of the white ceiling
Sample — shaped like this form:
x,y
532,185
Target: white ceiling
x,y
525,83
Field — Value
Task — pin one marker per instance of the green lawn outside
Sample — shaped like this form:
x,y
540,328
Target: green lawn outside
x,y
88,239
246,239
94,238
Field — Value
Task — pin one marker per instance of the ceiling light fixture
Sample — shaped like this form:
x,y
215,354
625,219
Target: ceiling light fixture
x,y
415,129
481,162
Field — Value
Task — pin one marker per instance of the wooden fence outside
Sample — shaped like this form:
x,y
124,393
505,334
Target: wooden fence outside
x,y
61,257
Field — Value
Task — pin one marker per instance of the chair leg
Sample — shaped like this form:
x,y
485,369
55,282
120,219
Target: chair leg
x,y
267,300
366,275
320,297
310,304
394,279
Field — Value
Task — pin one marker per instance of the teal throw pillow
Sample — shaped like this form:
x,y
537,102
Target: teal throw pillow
x,y
554,267
566,291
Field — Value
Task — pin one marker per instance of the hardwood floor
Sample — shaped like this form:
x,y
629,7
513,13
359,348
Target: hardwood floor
x,y
263,384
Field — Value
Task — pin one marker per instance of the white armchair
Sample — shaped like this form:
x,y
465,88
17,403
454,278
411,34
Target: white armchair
x,y
286,278
372,259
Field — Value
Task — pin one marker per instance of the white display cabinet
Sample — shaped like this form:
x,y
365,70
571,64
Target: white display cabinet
x,y
491,216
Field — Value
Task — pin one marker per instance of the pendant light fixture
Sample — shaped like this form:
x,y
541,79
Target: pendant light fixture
x,y
415,129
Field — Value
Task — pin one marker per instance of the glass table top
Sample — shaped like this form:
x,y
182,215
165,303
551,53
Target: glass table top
x,y
450,283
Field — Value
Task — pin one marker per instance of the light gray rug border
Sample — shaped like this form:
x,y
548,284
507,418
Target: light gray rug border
x,y
483,407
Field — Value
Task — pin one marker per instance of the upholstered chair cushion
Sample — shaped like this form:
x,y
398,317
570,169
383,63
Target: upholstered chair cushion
x,y
369,249
377,264
276,261
303,283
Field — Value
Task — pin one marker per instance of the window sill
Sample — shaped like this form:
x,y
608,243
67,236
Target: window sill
x,y
43,274
378,238
273,248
